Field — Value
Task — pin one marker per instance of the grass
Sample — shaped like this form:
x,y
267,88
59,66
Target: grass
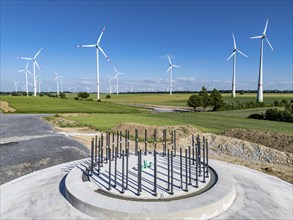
x,y
57,105
204,121
181,99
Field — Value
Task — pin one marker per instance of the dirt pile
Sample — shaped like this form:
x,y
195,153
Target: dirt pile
x,y
278,141
4,106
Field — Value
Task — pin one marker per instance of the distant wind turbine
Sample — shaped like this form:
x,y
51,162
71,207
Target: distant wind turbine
x,y
35,63
117,76
170,69
259,97
26,72
15,85
234,66
110,83
98,47
57,80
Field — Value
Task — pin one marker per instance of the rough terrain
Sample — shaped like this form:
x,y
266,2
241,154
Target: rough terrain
x,y
4,106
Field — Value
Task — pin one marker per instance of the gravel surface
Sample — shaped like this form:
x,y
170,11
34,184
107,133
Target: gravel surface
x,y
28,144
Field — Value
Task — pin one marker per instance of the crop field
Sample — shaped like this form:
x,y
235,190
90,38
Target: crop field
x,y
181,99
57,105
213,122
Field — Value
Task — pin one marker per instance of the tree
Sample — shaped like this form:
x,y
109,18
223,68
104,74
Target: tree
x,y
83,95
216,100
62,95
205,98
194,101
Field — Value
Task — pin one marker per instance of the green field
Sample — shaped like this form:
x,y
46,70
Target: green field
x,y
46,104
213,122
181,99
108,113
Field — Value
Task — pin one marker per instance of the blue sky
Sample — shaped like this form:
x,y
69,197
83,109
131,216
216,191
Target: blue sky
x,y
139,34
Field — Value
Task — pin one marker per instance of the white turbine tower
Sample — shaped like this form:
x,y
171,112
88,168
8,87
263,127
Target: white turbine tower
x,y
15,85
117,79
259,97
57,80
98,47
26,72
234,66
35,63
110,83
170,69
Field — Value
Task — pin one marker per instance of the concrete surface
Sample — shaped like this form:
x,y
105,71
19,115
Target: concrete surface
x,y
39,195
28,144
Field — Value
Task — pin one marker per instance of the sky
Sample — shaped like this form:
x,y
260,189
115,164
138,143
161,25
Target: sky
x,y
138,35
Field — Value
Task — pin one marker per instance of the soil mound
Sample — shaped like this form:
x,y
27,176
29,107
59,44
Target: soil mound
x,y
4,106
279,141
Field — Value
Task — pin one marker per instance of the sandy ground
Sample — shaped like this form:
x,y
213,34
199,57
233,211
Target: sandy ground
x,y
4,106
276,161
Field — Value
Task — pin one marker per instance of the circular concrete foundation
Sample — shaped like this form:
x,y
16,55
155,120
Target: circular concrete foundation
x,y
91,194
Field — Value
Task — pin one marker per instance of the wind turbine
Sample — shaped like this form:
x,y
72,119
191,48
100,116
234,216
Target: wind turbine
x,y
234,66
26,72
15,85
117,76
170,69
110,83
57,79
35,63
259,97
98,47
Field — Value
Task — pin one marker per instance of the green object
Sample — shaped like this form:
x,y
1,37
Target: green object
x,y
145,164
150,165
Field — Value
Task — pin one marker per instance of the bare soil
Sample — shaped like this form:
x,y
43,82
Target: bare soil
x,y
248,147
4,106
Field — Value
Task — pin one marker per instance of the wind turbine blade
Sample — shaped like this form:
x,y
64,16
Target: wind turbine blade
x,y
265,30
169,59
121,73
101,35
115,70
230,56
29,72
36,64
104,54
25,58
176,66
256,37
87,45
38,53
269,43
242,53
26,65
235,47
20,71
169,69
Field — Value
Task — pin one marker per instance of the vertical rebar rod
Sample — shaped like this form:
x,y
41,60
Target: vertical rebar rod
x,y
196,166
181,184
109,155
99,156
172,178
207,153
120,143
145,141
117,143
155,138
199,156
113,145
186,171
115,159
92,157
165,141
96,149
193,149
189,164
204,159
136,142
155,172
127,158
122,190
138,172
125,139
168,174
106,149
175,144
102,153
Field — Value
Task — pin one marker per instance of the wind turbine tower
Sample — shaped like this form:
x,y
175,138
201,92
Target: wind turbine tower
x,y
35,63
259,97
57,80
98,48
15,85
234,66
170,69
117,78
26,72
